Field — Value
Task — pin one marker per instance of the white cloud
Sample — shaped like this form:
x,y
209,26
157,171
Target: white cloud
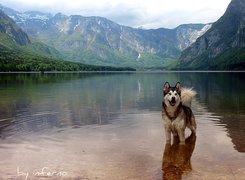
x,y
135,13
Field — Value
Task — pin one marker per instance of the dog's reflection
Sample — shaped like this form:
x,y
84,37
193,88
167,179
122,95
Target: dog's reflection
x,y
177,158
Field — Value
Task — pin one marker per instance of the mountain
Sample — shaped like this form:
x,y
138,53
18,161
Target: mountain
x,y
222,46
13,37
10,32
97,40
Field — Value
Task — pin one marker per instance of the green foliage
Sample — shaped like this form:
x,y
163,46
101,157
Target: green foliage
x,y
42,49
17,60
231,59
119,59
153,61
5,40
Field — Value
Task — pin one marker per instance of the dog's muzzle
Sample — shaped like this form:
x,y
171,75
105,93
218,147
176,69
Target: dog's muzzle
x,y
173,101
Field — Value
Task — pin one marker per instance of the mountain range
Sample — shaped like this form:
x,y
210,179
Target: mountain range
x,y
18,52
99,41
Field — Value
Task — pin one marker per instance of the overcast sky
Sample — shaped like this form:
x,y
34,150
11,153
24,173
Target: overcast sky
x,y
134,13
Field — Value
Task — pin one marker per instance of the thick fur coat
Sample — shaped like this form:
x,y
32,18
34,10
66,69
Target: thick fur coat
x,y
176,111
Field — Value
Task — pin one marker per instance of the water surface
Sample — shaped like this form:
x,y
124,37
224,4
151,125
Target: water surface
x,y
109,126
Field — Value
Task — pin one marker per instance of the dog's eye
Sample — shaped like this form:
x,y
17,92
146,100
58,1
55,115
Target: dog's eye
x,y
175,94
169,93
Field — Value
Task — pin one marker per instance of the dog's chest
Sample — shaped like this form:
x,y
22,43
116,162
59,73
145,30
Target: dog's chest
x,y
174,124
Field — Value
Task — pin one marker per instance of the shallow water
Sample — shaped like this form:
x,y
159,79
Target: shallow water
x,y
109,126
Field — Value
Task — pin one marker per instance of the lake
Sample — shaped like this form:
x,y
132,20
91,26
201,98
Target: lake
x,y
109,126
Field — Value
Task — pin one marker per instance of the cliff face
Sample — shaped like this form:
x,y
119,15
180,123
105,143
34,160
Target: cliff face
x,y
187,34
225,38
11,32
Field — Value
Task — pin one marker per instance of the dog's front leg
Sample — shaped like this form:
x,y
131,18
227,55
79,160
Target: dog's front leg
x,y
168,128
168,134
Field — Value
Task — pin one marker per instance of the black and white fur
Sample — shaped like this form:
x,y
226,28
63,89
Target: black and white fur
x,y
176,111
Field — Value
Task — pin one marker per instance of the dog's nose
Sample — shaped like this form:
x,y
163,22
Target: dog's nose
x,y
173,99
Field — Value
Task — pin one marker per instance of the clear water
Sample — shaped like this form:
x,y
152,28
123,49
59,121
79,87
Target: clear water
x,y
109,126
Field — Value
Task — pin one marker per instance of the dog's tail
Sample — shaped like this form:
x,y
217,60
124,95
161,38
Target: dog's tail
x,y
186,96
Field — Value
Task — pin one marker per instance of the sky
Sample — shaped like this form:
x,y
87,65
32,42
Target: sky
x,y
147,14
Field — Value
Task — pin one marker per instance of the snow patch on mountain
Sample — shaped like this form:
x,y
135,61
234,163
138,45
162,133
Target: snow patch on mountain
x,y
196,34
186,35
77,25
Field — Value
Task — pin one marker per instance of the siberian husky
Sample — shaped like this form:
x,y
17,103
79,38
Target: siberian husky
x,y
176,111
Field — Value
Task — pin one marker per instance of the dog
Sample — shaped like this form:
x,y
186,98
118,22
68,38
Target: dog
x,y
176,111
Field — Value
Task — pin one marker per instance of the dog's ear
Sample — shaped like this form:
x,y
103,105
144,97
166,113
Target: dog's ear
x,y
166,88
177,86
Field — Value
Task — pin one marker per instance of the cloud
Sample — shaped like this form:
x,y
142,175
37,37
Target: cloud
x,y
134,13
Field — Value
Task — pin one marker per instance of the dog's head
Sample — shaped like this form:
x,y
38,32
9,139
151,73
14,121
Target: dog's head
x,y
171,94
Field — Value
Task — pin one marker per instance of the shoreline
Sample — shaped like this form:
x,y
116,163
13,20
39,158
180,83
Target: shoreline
x,y
141,71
